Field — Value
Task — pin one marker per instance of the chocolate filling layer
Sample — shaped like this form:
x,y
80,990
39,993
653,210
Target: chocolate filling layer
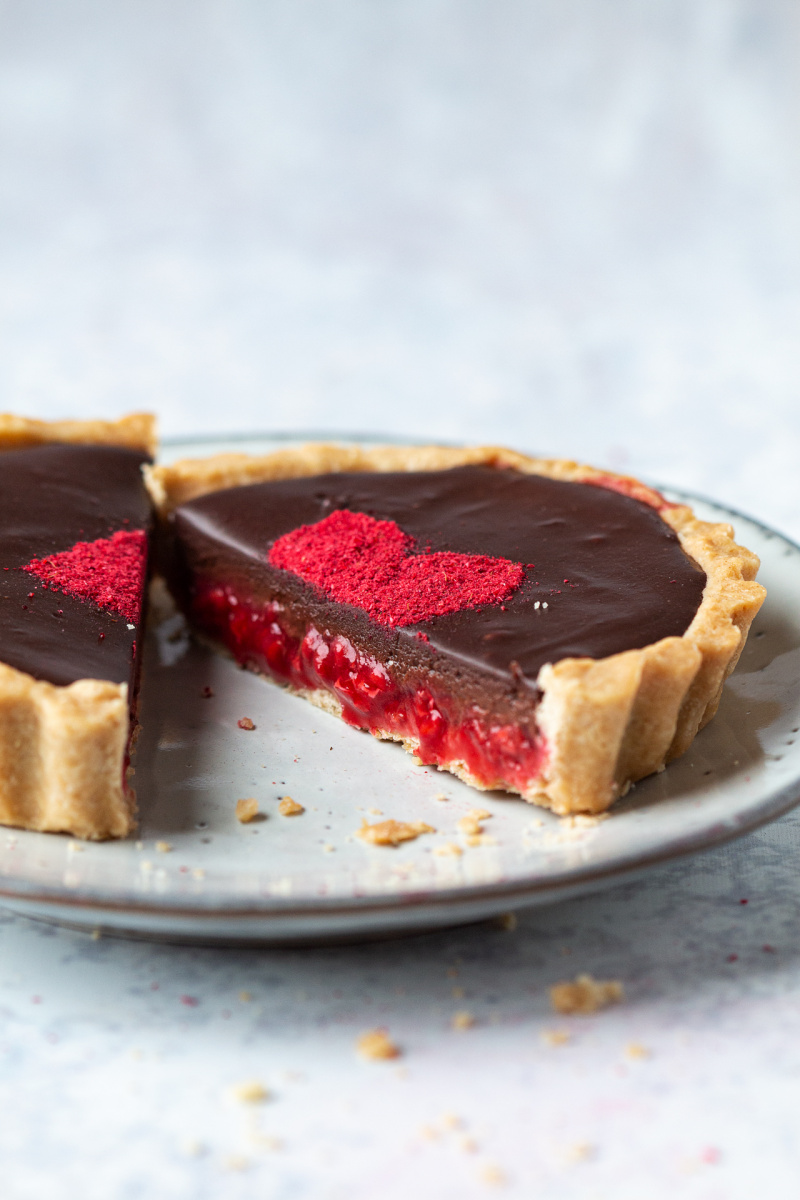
x,y
50,498
608,573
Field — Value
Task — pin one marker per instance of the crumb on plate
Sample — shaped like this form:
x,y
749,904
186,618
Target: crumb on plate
x,y
585,995
289,807
392,833
448,850
246,810
376,1044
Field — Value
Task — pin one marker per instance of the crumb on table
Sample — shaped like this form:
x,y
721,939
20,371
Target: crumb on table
x,y
246,810
245,723
289,807
555,1037
376,1044
462,1020
252,1091
493,1175
392,833
636,1050
585,995
163,847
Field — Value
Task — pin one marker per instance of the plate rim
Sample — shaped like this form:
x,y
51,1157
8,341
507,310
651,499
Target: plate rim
x,y
268,908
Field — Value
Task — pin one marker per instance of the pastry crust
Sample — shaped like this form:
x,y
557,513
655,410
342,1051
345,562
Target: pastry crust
x,y
606,722
136,431
63,750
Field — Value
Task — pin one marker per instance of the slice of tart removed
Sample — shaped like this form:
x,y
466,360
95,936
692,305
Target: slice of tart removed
x,y
531,625
75,520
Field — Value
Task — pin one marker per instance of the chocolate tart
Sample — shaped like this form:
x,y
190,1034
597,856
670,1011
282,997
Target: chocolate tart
x,y
75,524
531,625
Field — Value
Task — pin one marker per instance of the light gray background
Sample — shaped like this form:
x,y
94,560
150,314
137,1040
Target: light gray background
x,y
567,225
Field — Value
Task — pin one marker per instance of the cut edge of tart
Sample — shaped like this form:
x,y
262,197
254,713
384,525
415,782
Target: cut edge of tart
x,y
65,749
601,723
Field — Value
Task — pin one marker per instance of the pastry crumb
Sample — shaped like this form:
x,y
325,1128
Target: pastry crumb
x,y
327,848
555,1037
163,847
479,814
96,935
245,997
198,873
636,1050
493,1175
392,833
245,723
468,1144
451,1120
250,1092
441,796
448,850
462,1020
583,820
585,995
246,810
579,1152
265,1141
481,839
289,807
376,1044
507,921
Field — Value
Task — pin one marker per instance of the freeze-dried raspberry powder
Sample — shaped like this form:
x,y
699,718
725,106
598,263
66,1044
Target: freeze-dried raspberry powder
x,y
371,564
109,571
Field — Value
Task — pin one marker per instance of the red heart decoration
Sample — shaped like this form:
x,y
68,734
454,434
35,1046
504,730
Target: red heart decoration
x,y
371,564
109,571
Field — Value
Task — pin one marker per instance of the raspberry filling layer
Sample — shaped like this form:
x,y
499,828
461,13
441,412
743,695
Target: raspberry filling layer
x,y
495,755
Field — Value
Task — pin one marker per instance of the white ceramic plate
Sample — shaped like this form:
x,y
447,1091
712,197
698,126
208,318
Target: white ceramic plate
x,y
308,878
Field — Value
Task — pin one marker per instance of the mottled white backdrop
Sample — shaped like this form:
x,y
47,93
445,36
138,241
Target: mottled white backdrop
x,y
569,225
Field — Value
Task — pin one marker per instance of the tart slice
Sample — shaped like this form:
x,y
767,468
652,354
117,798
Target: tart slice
x,y
75,520
528,624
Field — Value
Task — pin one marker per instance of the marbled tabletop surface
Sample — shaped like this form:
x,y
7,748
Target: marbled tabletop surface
x,y
566,225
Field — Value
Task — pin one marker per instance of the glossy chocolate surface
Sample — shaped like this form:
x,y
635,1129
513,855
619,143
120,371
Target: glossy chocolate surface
x,y
50,498
611,572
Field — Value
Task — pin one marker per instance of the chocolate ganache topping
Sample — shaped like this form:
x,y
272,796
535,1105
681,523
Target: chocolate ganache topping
x,y
52,498
603,572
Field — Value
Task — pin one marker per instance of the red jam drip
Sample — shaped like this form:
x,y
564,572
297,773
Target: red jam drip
x,y
495,755
371,564
109,571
